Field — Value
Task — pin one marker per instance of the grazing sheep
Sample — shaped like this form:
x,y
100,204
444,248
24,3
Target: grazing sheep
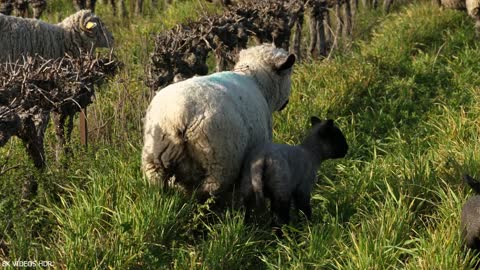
x,y
199,130
284,172
471,216
82,31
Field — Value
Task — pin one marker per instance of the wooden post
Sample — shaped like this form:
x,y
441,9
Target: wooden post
x,y
83,127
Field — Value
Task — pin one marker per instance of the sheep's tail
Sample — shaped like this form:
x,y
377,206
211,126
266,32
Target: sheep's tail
x,y
257,172
474,184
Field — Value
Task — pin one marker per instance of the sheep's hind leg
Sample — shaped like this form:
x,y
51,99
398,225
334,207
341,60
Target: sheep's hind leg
x,y
160,159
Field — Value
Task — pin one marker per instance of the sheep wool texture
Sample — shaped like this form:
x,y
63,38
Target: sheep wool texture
x,y
199,130
82,31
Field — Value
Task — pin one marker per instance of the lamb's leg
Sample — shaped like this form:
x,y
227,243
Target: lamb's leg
x,y
280,210
249,203
302,203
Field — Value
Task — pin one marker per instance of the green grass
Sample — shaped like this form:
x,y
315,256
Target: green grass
x,y
406,95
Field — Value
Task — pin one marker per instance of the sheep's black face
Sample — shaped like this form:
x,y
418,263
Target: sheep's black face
x,y
103,37
330,137
94,28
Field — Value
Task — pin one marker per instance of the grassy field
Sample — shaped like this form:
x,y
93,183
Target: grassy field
x,y
405,94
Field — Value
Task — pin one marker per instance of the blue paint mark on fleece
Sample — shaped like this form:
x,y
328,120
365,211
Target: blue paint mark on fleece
x,y
224,78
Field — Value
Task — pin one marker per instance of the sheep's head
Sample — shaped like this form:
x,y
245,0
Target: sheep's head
x,y
326,139
91,29
272,69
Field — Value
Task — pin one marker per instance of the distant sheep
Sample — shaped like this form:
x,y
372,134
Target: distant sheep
x,y
200,130
82,31
284,172
471,216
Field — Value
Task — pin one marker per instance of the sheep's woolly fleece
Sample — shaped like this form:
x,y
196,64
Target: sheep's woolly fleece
x,y
82,31
200,129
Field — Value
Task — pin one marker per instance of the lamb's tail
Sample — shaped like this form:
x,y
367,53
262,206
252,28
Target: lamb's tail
x,y
257,172
474,184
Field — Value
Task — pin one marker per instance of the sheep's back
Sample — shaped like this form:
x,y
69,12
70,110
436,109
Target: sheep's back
x,y
21,37
202,98
224,112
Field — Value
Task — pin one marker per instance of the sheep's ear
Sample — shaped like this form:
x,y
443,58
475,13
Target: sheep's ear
x,y
330,122
288,63
90,25
315,120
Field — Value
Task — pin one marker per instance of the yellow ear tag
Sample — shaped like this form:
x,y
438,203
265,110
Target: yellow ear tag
x,y
91,25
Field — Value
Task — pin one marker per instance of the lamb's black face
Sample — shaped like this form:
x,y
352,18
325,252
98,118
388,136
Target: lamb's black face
x,y
330,137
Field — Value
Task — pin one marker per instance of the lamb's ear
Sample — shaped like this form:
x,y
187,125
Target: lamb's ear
x,y
315,120
286,64
330,122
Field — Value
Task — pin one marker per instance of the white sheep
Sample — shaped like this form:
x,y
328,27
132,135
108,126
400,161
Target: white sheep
x,y
199,130
285,173
82,31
